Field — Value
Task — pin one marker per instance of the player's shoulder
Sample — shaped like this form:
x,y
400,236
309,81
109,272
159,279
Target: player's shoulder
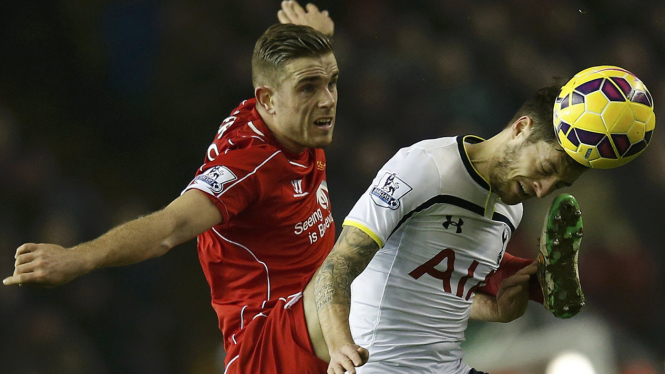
x,y
431,152
439,147
243,140
432,148
247,139
418,166
437,143
244,129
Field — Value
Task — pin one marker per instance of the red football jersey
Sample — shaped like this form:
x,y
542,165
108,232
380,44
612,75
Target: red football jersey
x,y
277,229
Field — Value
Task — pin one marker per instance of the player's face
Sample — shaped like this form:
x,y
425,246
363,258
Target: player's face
x,y
529,170
305,103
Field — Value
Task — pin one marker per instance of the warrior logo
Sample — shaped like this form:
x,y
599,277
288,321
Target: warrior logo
x,y
457,224
297,188
388,192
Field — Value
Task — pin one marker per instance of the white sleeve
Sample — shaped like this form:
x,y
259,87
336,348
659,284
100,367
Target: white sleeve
x,y
406,181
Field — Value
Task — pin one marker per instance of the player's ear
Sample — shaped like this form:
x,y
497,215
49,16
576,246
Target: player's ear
x,y
521,127
264,98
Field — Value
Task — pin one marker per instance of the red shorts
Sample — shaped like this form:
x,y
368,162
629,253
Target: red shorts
x,y
277,344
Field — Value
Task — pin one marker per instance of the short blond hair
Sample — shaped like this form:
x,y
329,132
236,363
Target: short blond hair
x,y
282,43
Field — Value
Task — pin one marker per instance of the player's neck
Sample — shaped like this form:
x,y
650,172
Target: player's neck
x,y
283,140
483,155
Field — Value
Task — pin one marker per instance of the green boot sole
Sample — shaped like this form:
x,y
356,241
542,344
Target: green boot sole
x,y
558,271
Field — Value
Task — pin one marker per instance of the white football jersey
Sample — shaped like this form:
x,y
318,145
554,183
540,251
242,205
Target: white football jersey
x,y
441,231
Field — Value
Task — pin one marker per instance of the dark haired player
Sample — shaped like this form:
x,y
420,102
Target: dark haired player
x,y
421,253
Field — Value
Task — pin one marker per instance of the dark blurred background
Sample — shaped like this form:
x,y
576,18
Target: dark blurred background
x,y
107,109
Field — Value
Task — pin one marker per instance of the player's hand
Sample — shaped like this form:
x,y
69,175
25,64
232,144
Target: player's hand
x,y
45,265
292,12
347,358
513,294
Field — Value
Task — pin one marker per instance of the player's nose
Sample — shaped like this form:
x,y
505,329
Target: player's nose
x,y
544,186
328,99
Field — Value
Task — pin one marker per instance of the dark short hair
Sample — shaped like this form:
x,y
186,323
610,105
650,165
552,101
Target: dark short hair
x,y
540,108
282,43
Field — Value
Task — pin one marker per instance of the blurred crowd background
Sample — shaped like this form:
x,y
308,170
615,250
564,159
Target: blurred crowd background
x,y
107,109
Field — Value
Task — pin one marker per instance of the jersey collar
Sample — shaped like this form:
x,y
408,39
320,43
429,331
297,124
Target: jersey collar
x,y
467,162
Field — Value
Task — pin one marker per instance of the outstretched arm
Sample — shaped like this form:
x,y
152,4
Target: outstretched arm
x,y
510,301
332,290
151,236
292,12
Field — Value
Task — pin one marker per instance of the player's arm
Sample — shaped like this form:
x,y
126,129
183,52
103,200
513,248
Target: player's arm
x,y
150,236
510,301
509,266
332,290
292,12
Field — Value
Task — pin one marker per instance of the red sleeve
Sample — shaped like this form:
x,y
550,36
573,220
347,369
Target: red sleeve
x,y
510,265
235,179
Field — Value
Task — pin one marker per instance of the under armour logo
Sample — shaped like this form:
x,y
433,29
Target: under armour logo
x,y
450,222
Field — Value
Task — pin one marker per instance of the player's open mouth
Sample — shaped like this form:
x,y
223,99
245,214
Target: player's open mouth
x,y
324,122
522,190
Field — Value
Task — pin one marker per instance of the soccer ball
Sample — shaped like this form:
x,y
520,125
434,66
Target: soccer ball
x,y
603,117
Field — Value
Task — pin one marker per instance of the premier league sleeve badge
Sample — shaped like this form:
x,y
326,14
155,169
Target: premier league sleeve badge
x,y
388,192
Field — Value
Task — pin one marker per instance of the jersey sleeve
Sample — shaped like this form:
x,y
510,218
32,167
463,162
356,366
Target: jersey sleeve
x,y
403,184
235,179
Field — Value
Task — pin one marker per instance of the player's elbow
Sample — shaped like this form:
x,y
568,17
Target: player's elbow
x,y
179,227
170,226
163,247
186,217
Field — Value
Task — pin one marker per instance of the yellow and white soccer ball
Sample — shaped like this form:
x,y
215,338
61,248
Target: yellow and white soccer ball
x,y
603,117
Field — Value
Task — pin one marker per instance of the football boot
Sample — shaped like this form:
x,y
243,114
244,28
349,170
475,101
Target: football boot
x,y
558,270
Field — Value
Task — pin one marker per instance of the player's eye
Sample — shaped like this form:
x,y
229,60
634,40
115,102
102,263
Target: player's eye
x,y
308,88
547,169
332,85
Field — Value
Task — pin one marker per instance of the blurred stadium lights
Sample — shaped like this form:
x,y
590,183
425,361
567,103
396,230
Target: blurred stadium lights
x,y
531,343
570,363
